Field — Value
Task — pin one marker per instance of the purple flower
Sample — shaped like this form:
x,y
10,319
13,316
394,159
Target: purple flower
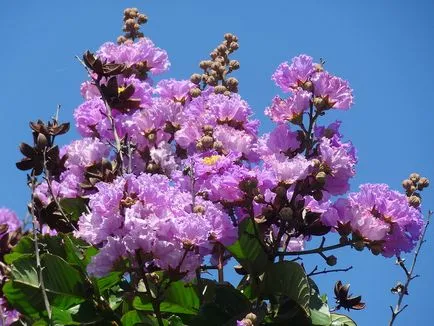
x,y
175,90
290,108
142,51
334,90
88,116
9,218
288,170
289,77
379,214
280,140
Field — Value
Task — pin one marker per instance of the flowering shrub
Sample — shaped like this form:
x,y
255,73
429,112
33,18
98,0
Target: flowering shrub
x,y
172,179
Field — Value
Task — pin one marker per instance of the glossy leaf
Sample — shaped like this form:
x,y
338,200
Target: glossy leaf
x,y
341,320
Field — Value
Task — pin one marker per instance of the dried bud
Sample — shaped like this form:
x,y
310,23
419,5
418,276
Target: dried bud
x,y
233,82
321,178
286,213
331,260
234,64
319,103
222,48
207,141
195,92
218,145
229,37
195,78
142,19
208,130
220,89
233,46
199,146
359,245
414,177
414,201
199,209
406,184
423,183
204,64
121,39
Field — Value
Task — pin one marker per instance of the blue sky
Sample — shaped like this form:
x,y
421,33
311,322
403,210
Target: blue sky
x,y
384,48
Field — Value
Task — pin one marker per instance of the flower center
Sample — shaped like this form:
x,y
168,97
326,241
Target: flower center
x,y
211,160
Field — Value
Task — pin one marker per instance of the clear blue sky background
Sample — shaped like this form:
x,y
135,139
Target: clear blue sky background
x,y
384,48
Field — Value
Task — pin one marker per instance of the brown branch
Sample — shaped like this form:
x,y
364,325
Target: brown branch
x,y
318,250
325,271
409,274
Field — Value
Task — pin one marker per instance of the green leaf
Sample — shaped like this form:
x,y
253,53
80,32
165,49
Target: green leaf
x,y
62,317
247,250
341,320
64,285
319,309
108,281
73,207
223,305
289,279
179,298
134,317
175,321
24,246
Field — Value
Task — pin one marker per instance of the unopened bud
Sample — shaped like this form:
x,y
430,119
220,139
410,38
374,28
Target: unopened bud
x,y
423,183
406,184
211,81
331,260
316,163
199,146
228,93
234,64
204,64
208,130
199,209
229,37
129,23
220,89
414,177
359,245
196,78
195,92
308,86
121,39
222,48
207,141
214,54
218,145
216,65
234,46
280,191
286,213
321,177
248,184
142,19
414,201
152,168
319,103
232,81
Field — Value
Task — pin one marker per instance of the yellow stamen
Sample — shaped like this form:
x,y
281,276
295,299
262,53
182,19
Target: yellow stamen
x,y
211,160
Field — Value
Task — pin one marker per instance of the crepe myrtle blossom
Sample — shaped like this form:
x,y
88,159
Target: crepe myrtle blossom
x,y
9,218
147,212
377,213
141,52
332,92
290,76
290,109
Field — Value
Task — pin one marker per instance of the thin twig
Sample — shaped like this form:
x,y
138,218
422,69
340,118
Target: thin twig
x,y
409,274
318,250
325,271
38,259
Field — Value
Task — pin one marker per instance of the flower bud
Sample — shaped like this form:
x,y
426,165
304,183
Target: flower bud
x,y
233,46
219,89
331,260
248,184
423,183
359,245
234,64
307,86
229,37
319,103
211,81
199,209
280,191
218,145
317,195
232,82
204,64
228,93
216,65
321,178
406,184
414,201
207,141
199,146
208,130
414,177
286,213
121,39
196,78
195,92
222,48
152,168
129,23
214,54
142,19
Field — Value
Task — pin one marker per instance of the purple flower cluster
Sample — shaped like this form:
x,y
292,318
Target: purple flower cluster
x,y
379,214
9,218
194,166
146,212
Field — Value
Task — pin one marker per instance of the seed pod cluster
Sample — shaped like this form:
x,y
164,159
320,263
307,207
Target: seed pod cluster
x,y
413,185
216,70
132,21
